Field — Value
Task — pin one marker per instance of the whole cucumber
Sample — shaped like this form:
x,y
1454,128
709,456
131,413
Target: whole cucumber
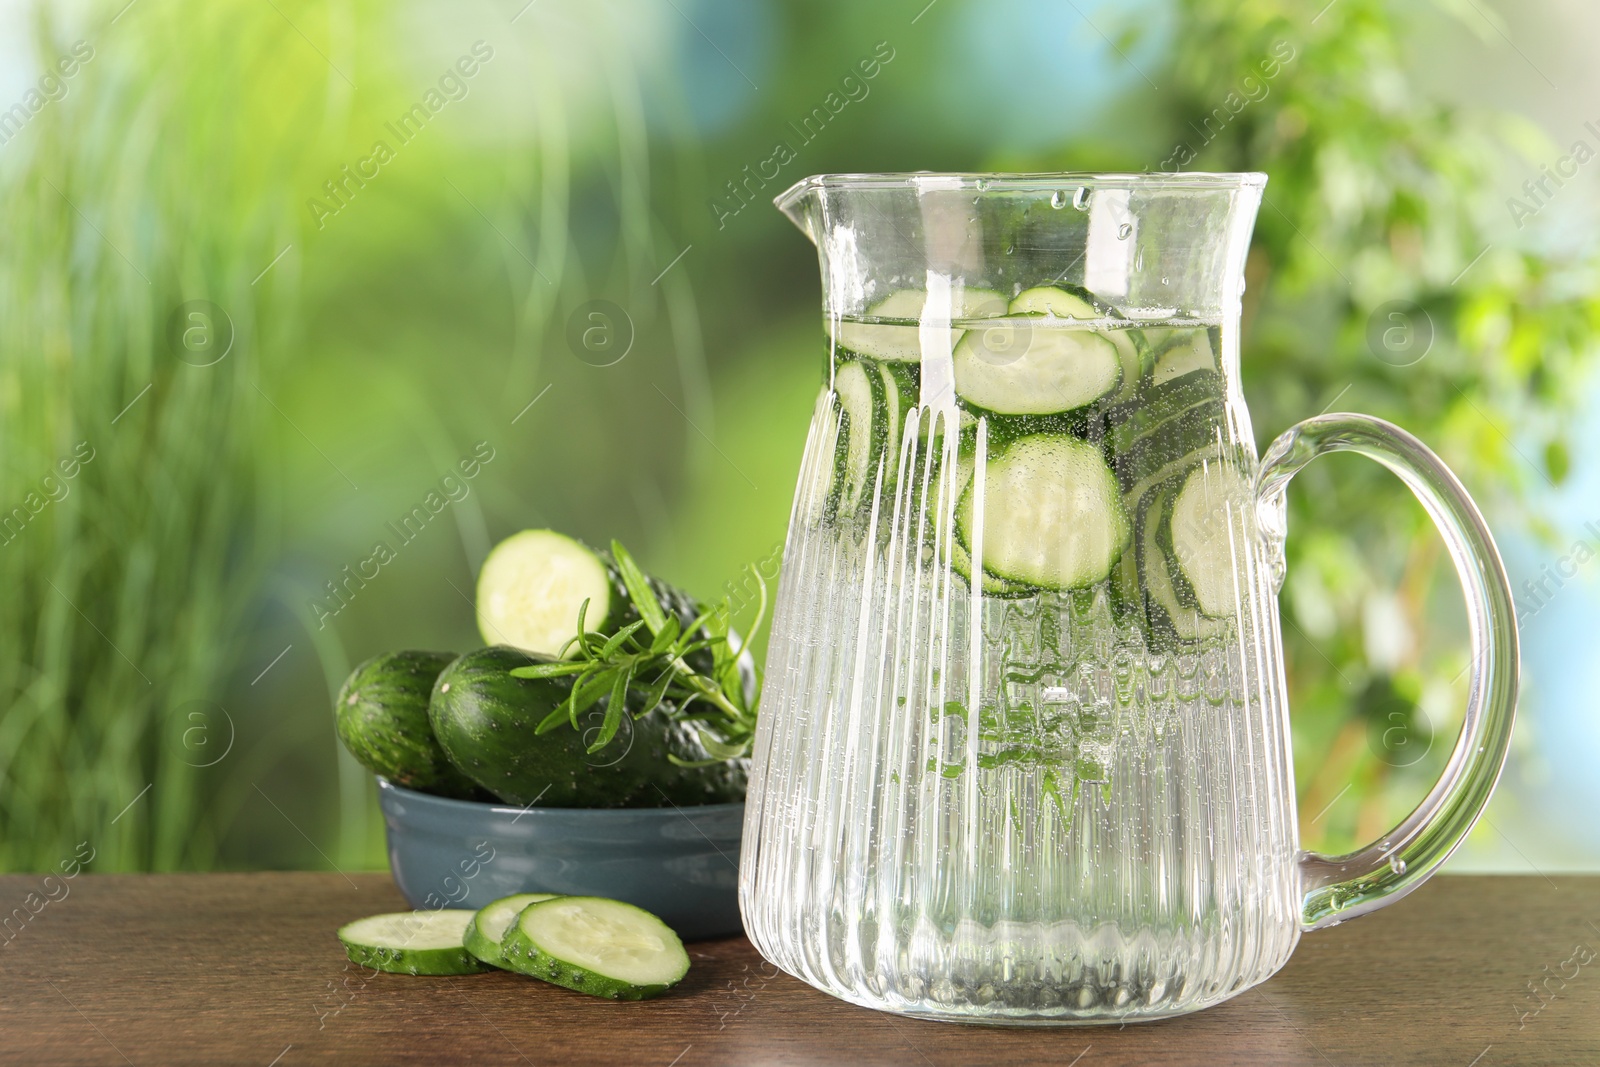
x,y
382,717
485,720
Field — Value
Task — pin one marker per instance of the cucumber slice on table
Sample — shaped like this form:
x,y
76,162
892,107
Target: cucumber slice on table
x,y
598,946
1051,511
902,342
490,922
531,586
411,942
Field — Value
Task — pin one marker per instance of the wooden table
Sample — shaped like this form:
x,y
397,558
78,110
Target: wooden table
x,y
244,968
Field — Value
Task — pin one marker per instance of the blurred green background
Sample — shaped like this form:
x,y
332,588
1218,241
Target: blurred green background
x,y
270,270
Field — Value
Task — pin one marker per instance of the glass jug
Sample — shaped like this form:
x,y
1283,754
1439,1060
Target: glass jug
x,y
1023,754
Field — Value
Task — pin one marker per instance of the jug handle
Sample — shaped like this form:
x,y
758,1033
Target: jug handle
x,y
1335,888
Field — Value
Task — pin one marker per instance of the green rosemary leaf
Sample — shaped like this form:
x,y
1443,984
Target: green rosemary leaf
x,y
549,670
551,721
667,636
608,649
656,693
644,598
587,695
615,707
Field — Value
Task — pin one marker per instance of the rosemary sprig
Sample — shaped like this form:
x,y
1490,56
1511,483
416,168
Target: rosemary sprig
x,y
651,657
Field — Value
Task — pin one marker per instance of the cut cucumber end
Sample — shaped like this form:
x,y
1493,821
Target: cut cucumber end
x,y
489,924
597,946
412,942
531,587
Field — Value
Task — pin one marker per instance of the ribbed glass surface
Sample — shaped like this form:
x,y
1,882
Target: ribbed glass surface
x,y
1010,808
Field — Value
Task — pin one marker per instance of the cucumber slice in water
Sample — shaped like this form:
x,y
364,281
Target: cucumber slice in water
x,y
902,342
530,588
1068,302
1052,514
598,946
490,922
1019,368
1200,535
860,397
1169,615
411,942
1190,351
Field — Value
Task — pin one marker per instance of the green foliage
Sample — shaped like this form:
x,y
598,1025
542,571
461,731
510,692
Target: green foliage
x,y
432,308
1379,205
126,599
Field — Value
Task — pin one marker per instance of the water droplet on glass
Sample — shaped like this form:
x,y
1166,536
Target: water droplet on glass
x,y
1397,865
1058,199
982,184
1124,231
1080,199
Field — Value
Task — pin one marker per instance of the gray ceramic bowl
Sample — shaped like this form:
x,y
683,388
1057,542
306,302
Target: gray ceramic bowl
x,y
680,863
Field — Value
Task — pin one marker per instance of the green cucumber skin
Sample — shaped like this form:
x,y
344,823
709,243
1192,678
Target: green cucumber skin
x,y
429,962
485,720
382,717
524,957
480,945
480,948
454,959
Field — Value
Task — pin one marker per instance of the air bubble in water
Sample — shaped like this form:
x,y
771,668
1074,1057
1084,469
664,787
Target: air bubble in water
x,y
1080,199
1397,865
1058,199
1138,260
1124,231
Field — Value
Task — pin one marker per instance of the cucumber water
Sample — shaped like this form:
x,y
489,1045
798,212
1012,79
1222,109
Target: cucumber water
x,y
1085,417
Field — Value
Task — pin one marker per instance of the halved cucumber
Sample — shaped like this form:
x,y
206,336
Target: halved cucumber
x,y
598,946
489,924
411,942
902,342
1200,525
1051,511
530,588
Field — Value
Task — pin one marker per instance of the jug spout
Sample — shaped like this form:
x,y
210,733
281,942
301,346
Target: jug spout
x,y
801,202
